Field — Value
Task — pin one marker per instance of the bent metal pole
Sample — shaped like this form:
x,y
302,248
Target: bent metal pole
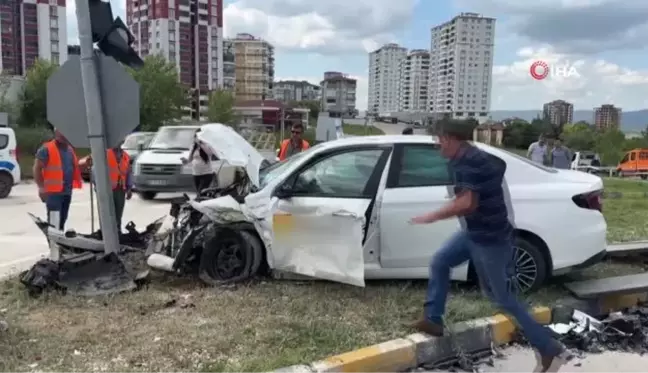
x,y
96,130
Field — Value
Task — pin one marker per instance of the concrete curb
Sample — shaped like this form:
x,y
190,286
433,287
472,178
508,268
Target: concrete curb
x,y
480,334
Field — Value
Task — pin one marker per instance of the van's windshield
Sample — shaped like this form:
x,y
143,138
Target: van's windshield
x,y
173,138
134,139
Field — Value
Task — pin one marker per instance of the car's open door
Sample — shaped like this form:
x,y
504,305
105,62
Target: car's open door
x,y
319,215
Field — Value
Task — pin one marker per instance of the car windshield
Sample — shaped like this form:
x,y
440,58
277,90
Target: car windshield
x,y
268,174
530,162
134,139
173,138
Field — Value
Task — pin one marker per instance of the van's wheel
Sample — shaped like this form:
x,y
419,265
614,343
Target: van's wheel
x,y
6,184
229,256
529,268
147,196
644,177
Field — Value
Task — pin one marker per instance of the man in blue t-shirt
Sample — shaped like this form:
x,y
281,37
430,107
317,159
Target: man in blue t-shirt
x,y
57,204
486,240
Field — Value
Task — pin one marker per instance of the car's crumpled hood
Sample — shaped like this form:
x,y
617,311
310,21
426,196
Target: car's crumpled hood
x,y
231,147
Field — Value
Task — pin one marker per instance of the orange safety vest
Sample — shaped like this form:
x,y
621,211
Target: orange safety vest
x,y
283,150
118,171
53,170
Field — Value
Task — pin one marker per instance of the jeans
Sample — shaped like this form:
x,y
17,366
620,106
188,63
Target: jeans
x,y
119,200
58,208
491,270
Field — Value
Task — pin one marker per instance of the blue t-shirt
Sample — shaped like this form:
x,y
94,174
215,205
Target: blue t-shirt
x,y
67,163
483,173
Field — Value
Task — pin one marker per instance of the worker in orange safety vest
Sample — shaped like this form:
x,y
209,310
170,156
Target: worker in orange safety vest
x,y
56,172
119,174
295,144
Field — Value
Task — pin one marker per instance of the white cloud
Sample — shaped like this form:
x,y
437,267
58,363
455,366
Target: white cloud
x,y
361,88
334,26
599,82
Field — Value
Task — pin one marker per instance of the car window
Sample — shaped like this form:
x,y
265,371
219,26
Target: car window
x,y
643,156
632,156
625,159
423,165
343,175
4,141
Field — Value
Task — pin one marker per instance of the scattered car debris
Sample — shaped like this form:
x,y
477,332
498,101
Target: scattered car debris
x,y
625,331
79,265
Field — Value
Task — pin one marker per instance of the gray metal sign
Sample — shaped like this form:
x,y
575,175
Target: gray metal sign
x,y
120,95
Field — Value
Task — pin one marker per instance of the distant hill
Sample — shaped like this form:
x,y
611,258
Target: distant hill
x,y
631,121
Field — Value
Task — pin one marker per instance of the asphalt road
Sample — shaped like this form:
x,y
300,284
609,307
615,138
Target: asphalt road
x,y
518,359
22,243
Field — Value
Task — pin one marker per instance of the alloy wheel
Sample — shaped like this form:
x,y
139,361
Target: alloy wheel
x,y
524,272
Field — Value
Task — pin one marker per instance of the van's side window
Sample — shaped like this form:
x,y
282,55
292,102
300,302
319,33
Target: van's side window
x,y
633,156
4,141
625,159
643,156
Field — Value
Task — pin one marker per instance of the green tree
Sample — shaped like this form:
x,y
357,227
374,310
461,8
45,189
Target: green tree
x,y
579,136
221,108
519,134
610,144
33,98
313,105
162,96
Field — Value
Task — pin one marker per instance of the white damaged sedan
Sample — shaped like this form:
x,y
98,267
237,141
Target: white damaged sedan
x,y
339,211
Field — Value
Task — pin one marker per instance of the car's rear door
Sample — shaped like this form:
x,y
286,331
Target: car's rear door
x,y
319,230
419,182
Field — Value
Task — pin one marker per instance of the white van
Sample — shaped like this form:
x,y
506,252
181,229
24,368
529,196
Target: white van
x,y
9,166
159,168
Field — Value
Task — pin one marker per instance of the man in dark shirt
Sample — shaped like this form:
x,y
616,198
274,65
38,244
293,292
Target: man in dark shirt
x,y
486,239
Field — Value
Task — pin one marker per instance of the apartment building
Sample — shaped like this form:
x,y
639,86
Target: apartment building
x,y
461,67
30,30
384,78
293,90
229,66
413,85
339,95
558,112
189,33
254,68
607,117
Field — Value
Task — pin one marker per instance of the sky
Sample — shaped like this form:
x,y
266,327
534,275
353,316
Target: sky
x,y
601,43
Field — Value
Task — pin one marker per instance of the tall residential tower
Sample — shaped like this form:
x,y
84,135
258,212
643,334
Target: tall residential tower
x,y
384,78
461,67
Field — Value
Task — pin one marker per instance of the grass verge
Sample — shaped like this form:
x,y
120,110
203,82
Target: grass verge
x,y
627,217
175,325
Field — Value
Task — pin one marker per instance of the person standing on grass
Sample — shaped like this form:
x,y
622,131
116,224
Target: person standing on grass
x,y
201,166
120,177
538,150
295,144
561,156
486,240
56,173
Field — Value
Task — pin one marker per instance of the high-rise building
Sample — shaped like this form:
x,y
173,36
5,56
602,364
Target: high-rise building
x,y
607,117
254,64
229,66
293,90
384,78
30,30
413,85
461,67
188,33
339,95
558,112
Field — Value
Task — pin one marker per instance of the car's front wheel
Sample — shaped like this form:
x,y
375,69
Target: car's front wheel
x,y
528,271
6,184
147,196
230,255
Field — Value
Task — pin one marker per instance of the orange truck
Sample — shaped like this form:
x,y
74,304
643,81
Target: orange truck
x,y
634,163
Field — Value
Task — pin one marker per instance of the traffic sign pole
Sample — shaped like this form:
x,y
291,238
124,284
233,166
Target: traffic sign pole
x,y
96,129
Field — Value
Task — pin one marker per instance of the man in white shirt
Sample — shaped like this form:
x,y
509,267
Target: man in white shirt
x,y
538,150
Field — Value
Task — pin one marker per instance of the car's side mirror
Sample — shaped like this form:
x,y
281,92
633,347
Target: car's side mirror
x,y
284,191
